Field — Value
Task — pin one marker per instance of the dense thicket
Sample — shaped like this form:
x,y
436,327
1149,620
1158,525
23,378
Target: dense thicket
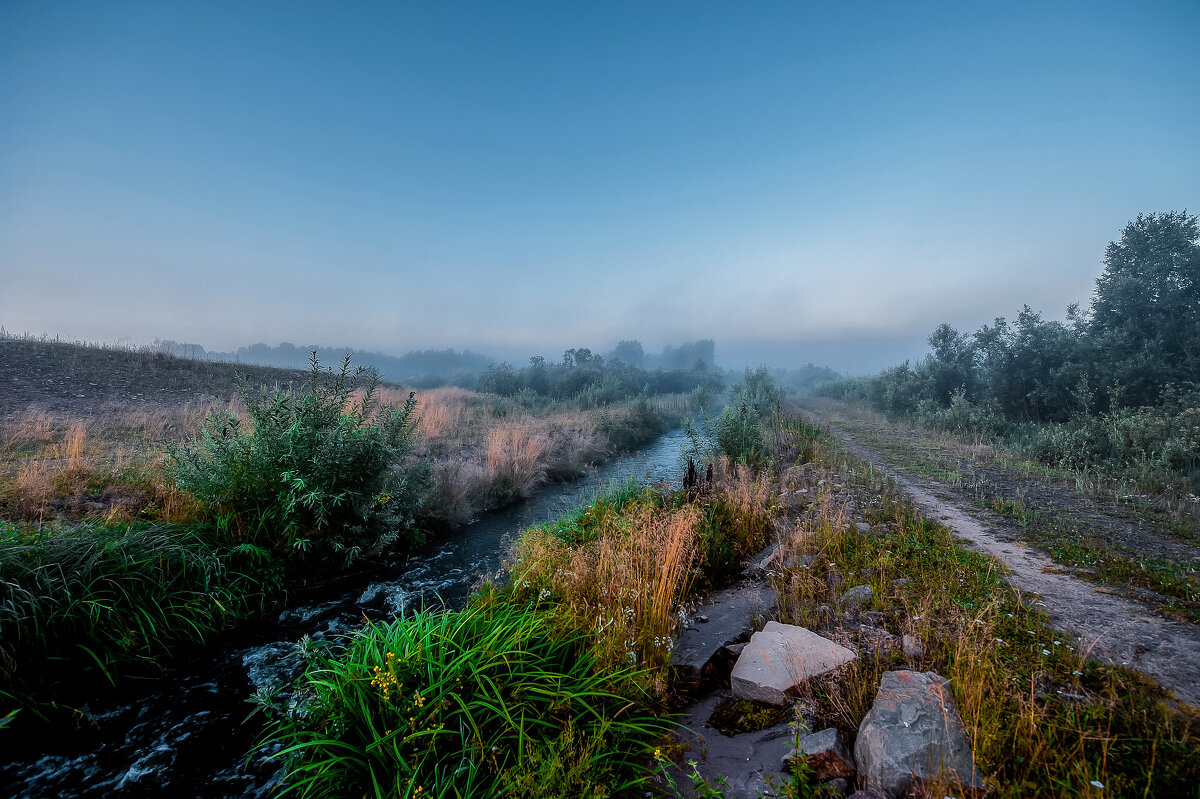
x,y
1116,385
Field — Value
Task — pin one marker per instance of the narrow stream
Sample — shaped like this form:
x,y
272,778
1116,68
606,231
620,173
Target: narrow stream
x,y
185,734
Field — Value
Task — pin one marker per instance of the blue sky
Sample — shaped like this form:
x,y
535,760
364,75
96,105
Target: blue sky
x,y
798,181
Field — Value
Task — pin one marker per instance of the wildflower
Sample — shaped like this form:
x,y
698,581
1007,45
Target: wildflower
x,y
1045,651
1098,784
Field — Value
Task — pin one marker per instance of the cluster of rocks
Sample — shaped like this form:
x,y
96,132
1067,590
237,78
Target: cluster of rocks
x,y
912,734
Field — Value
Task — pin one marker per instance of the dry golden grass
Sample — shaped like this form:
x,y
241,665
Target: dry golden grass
x,y
485,451
627,584
515,456
752,497
34,428
110,463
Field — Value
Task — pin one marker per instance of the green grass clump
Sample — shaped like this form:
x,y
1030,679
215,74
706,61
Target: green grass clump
x,y
498,699
92,595
618,505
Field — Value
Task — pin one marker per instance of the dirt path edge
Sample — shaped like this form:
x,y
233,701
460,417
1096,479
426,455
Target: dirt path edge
x,y
1108,628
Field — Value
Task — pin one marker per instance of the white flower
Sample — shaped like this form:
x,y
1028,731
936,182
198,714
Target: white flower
x,y
1045,651
1098,784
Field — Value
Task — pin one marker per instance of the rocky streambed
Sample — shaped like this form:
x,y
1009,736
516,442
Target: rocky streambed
x,y
912,734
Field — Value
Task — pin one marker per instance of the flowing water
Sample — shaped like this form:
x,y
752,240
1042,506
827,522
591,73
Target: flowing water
x,y
186,733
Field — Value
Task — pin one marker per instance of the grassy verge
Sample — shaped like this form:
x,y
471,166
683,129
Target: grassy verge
x,y
498,699
1066,529
484,451
1043,719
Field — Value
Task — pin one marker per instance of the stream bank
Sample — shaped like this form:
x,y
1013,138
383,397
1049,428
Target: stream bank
x,y
186,732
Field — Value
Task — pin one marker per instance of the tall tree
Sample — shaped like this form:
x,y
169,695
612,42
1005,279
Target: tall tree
x,y
1146,307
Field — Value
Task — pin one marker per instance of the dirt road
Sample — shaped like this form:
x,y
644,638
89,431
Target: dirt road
x,y
1109,628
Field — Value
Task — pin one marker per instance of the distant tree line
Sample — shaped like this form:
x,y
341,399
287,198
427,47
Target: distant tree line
x,y
1132,360
423,368
594,379
624,371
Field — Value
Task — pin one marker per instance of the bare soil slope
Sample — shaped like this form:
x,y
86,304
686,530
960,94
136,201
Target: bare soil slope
x,y
81,381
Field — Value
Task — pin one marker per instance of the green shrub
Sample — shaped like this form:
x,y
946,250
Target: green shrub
x,y
962,417
1143,440
322,469
740,434
496,700
759,391
640,425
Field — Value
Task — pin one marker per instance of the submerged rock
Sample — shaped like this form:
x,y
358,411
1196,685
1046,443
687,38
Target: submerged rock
x,y
780,658
913,733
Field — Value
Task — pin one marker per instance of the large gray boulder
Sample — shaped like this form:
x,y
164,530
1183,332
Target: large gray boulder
x,y
780,658
913,733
